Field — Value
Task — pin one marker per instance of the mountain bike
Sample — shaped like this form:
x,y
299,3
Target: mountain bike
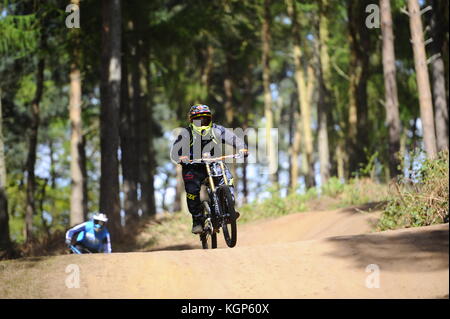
x,y
79,250
219,212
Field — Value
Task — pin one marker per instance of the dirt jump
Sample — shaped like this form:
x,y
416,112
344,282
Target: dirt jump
x,y
324,254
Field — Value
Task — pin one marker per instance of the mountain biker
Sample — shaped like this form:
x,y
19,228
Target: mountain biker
x,y
92,236
200,137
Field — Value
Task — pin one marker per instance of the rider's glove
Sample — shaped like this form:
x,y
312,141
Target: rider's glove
x,y
243,152
68,242
183,159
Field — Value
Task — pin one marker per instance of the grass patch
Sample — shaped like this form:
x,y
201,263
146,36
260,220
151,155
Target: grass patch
x,y
167,229
420,200
334,195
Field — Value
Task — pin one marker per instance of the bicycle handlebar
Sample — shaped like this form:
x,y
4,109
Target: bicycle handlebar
x,y
213,159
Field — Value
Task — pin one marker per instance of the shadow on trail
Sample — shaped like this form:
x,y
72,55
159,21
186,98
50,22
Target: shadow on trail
x,y
423,251
174,247
366,208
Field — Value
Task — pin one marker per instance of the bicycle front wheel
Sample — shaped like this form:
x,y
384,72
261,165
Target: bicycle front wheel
x,y
229,226
209,236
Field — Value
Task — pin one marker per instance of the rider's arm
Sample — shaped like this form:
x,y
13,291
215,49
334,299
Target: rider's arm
x,y
228,137
181,146
74,231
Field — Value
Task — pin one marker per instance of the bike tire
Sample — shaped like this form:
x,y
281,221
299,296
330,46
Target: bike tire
x,y
208,239
227,206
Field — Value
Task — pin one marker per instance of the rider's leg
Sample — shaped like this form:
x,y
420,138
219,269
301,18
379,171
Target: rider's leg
x,y
193,176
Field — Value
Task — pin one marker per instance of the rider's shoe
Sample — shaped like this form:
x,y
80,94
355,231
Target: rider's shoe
x,y
197,225
237,215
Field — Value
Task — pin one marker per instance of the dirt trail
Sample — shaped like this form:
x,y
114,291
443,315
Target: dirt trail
x,y
308,255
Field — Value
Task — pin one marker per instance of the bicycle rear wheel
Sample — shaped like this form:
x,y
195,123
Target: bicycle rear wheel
x,y
229,221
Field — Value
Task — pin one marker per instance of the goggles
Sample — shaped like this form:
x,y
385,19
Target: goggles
x,y
99,223
202,120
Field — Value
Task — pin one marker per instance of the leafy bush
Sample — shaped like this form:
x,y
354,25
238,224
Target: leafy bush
x,y
334,194
333,187
363,190
420,200
276,205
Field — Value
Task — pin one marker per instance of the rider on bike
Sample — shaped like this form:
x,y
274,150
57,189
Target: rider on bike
x,y
200,137
91,236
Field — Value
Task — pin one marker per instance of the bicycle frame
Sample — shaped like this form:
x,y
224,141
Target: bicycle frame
x,y
210,177
212,187
75,250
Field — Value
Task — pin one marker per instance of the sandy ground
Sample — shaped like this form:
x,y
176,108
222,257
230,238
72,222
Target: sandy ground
x,y
328,254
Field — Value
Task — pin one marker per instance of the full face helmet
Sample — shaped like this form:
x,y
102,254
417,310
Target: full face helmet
x,y
201,118
99,221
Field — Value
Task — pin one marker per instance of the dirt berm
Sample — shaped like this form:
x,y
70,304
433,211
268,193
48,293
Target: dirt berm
x,y
309,255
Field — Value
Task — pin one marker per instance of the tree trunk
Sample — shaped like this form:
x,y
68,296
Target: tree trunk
x,y
110,106
150,168
228,89
32,148
52,164
309,143
5,243
207,69
438,76
324,93
78,207
304,99
127,146
268,113
134,93
83,161
423,81
294,151
359,39
229,110
76,198
41,208
340,159
390,87
247,103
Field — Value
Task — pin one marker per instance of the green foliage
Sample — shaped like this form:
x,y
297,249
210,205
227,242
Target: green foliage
x,y
276,205
356,191
421,200
18,35
334,194
369,168
363,190
333,187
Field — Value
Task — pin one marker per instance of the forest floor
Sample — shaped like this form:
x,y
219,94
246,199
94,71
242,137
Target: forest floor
x,y
320,254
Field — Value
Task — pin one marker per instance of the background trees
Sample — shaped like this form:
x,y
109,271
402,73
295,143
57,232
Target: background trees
x,y
88,113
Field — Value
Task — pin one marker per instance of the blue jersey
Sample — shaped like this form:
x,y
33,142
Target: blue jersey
x,y
86,236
